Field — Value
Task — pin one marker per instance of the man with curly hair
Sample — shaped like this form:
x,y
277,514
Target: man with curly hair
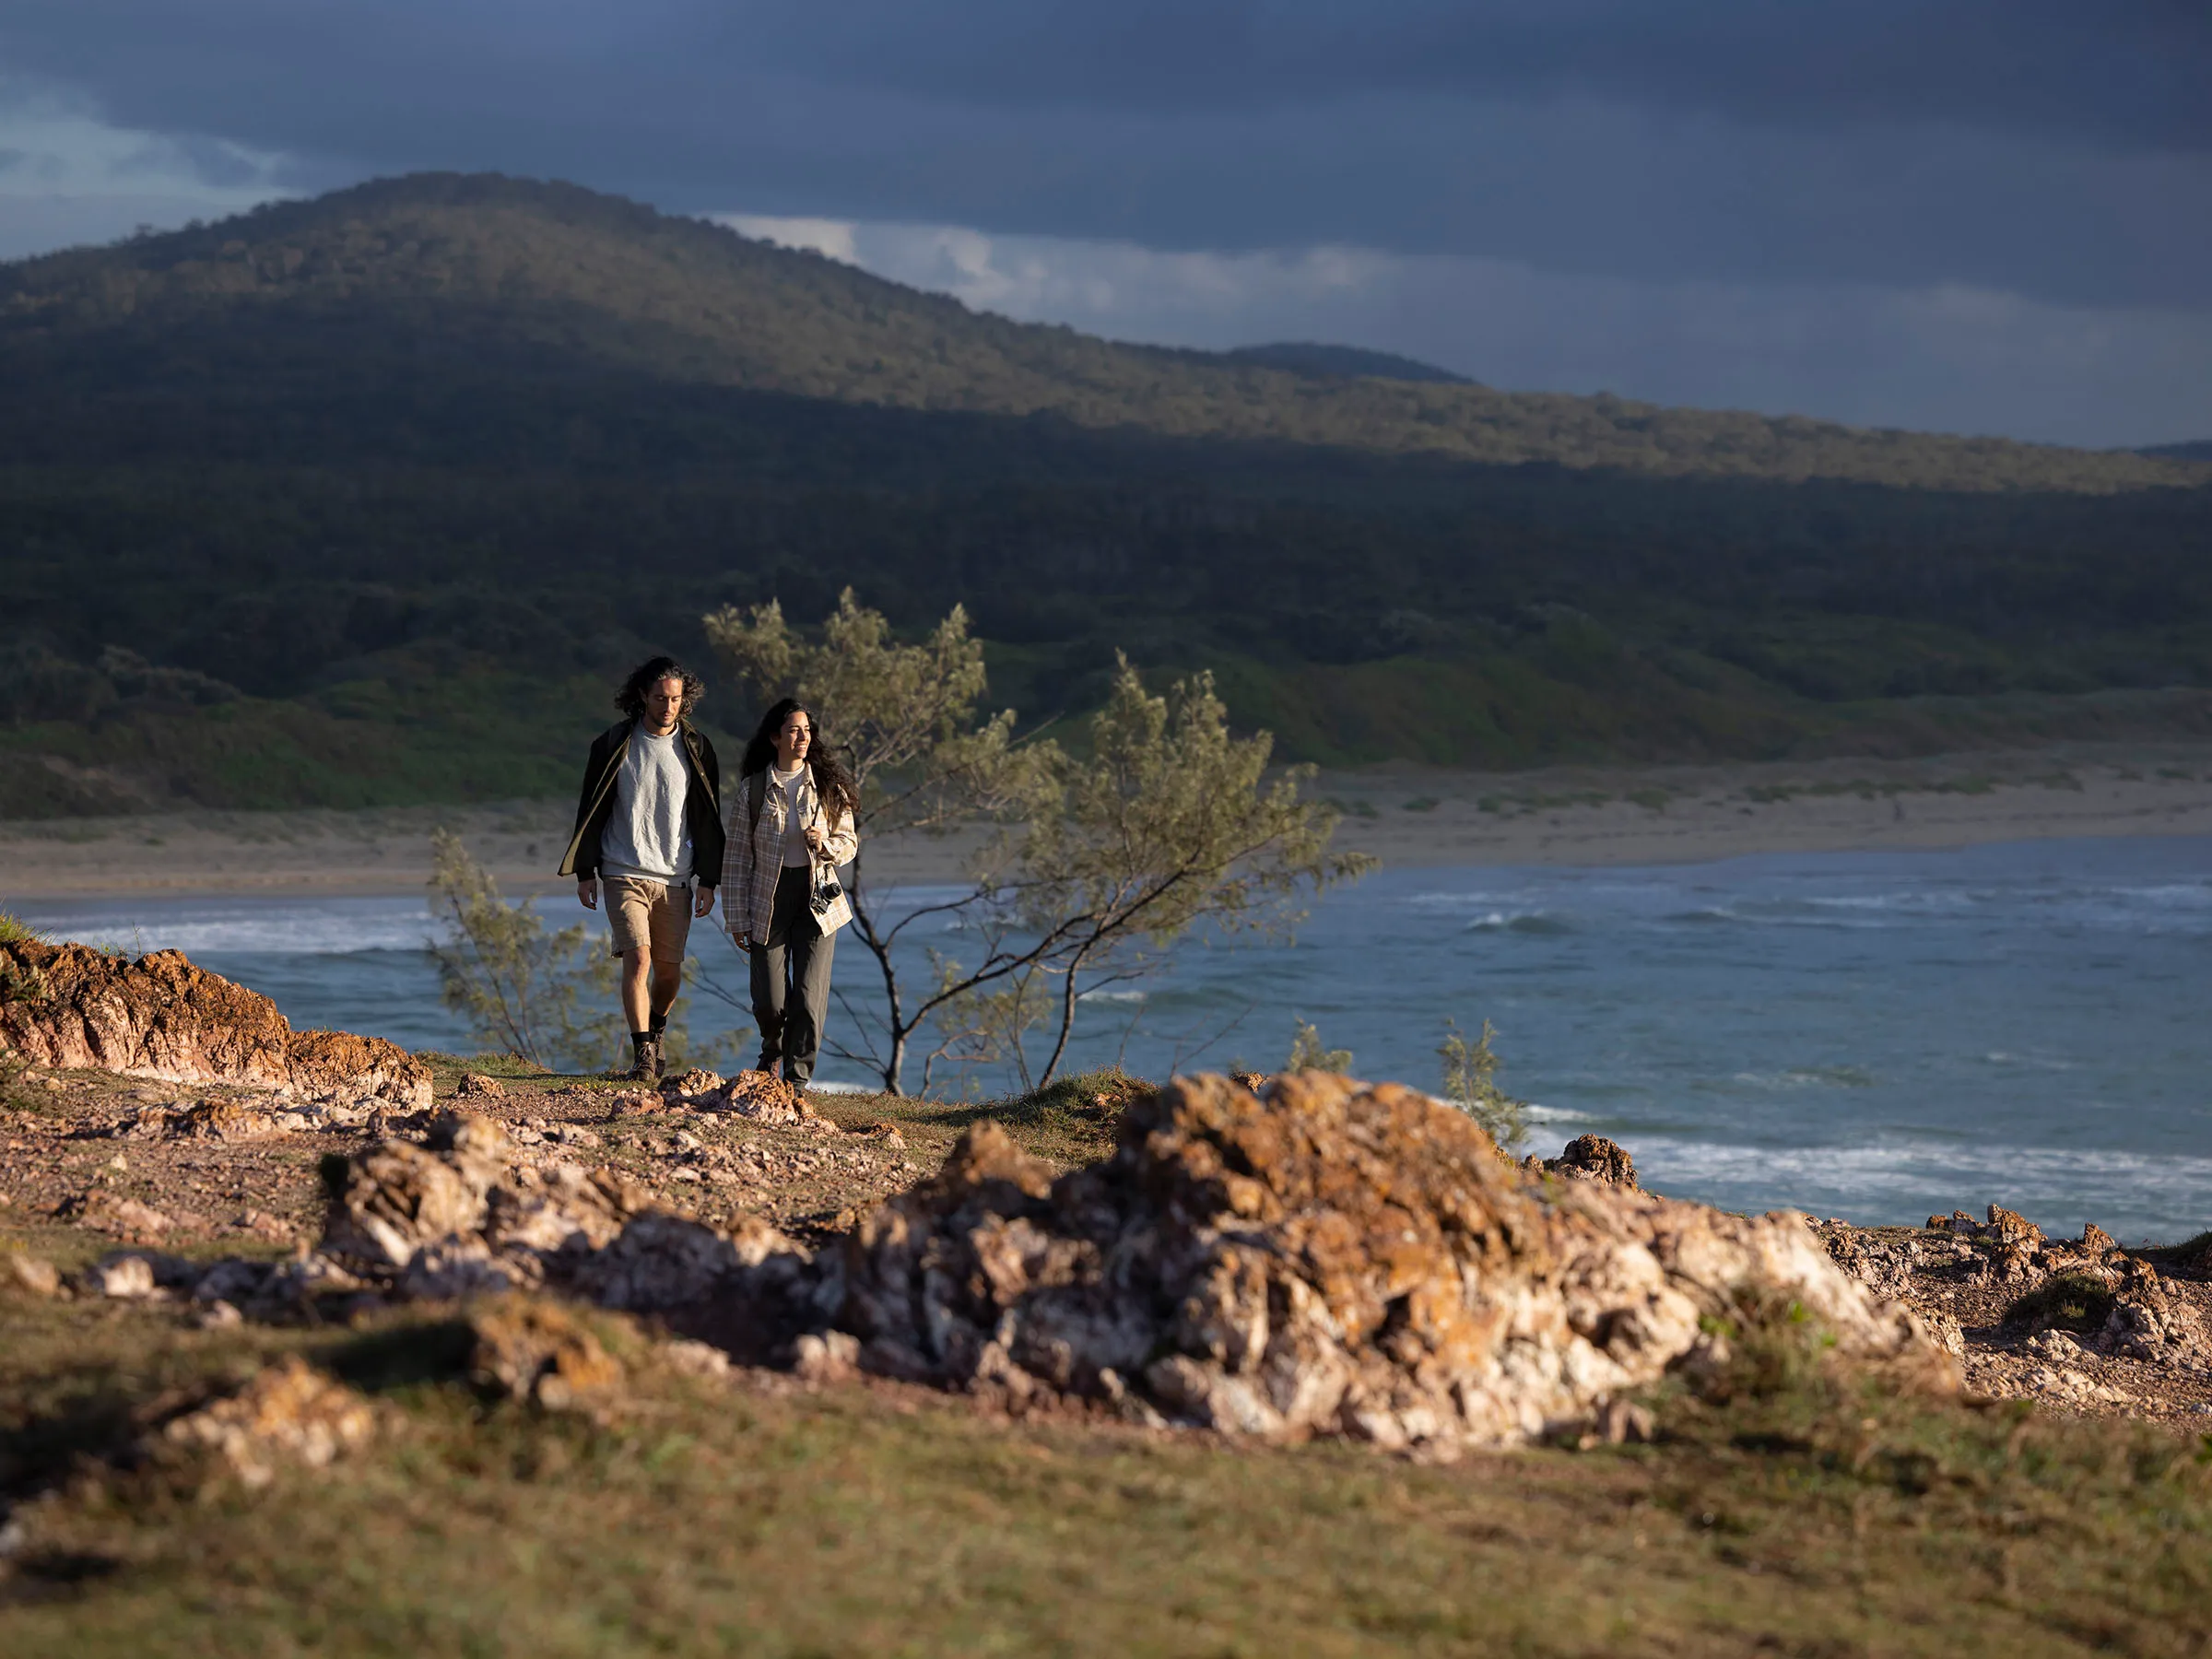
x,y
648,835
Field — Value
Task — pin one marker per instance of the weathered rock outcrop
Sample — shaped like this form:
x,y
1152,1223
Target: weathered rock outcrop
x,y
762,1098
161,1017
1321,1256
2149,1322
1588,1157
451,1217
2080,1324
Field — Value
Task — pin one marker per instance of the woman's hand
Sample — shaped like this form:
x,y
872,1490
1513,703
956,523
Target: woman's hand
x,y
814,839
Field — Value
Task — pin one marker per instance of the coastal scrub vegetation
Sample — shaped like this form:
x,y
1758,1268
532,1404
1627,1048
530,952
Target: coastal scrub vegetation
x,y
543,995
298,512
1471,1084
1470,1078
2067,1301
1308,1052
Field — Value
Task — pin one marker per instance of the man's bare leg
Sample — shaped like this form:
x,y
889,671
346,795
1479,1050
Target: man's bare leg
x,y
667,980
636,998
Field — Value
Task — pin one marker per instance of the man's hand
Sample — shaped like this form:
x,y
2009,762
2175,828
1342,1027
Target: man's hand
x,y
702,903
587,891
745,942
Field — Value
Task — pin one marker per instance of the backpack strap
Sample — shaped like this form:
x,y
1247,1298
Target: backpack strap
x,y
756,795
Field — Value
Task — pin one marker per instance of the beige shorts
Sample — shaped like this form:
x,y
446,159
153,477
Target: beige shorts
x,y
651,915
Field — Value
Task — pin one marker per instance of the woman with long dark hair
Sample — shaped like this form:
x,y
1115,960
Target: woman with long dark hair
x,y
792,824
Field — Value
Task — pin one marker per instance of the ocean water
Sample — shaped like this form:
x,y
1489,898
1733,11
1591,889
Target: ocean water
x,y
1876,1036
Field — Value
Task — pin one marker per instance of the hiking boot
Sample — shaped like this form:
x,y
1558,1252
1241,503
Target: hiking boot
x,y
647,1065
656,1057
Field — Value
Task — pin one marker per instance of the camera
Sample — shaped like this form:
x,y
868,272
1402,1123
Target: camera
x,y
826,891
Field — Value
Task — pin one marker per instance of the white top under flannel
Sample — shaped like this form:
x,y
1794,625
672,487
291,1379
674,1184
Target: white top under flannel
x,y
752,857
796,854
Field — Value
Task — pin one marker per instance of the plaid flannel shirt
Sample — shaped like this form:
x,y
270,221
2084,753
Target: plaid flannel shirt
x,y
752,857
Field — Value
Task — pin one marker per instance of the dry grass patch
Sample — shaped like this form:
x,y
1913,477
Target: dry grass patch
x,y
1788,1508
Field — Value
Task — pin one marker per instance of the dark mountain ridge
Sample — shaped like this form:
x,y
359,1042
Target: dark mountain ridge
x,y
602,282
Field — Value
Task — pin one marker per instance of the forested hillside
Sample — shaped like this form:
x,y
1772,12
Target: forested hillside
x,y
483,264
364,499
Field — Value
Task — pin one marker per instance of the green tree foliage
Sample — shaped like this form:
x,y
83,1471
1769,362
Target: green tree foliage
x,y
548,996
1170,825
1307,1053
1471,1084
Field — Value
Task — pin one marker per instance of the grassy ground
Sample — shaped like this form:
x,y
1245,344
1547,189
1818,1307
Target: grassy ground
x,y
754,1518
1795,1510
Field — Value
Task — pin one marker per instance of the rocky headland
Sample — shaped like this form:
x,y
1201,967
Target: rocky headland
x,y
1278,1257
73,1007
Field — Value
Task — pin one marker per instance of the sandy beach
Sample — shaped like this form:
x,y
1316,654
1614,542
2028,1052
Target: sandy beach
x,y
1406,815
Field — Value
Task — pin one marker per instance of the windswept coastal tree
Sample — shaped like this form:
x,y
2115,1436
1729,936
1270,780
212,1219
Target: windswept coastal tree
x,y
1171,825
1089,868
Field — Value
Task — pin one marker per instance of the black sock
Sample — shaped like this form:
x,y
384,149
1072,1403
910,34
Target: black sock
x,y
638,1040
660,1024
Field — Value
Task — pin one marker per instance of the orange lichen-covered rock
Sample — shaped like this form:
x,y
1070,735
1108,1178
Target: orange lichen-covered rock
x,y
766,1099
161,1016
1321,1257
289,1413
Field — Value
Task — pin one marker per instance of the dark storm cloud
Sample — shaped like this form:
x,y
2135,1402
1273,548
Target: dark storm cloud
x,y
2133,72
2056,150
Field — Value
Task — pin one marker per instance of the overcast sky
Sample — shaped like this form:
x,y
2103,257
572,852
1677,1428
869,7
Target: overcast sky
x,y
1966,215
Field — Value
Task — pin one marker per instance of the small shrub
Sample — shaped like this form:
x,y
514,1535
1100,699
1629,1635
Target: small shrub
x,y
546,995
14,1070
2068,1301
14,931
1098,1096
26,985
1470,1084
1307,1053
